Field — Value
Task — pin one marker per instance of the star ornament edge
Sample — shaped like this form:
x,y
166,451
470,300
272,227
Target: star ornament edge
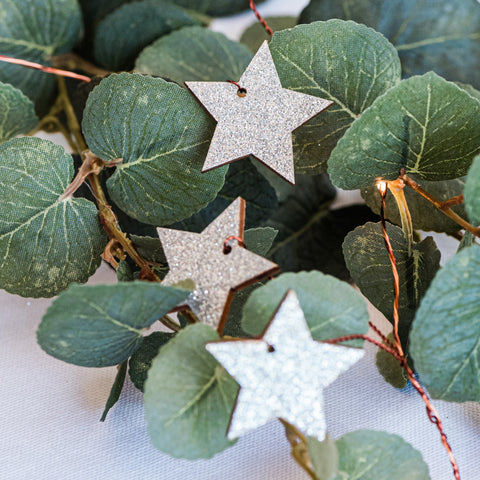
x,y
310,419
279,159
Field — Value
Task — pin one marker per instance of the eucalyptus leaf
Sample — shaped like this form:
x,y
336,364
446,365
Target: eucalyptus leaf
x,y
426,125
150,248
347,63
440,35
425,215
141,361
162,134
369,264
332,308
189,397
472,192
255,34
17,112
389,368
46,243
371,455
194,54
102,325
122,35
324,457
35,30
259,240
446,330
215,8
116,389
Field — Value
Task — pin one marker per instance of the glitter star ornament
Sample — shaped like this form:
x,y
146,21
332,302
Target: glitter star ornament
x,y
201,257
261,122
283,373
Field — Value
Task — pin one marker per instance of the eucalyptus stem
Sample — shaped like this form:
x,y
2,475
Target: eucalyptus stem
x,y
396,188
169,323
72,61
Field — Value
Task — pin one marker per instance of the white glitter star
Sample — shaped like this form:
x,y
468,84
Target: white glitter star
x,y
283,373
260,123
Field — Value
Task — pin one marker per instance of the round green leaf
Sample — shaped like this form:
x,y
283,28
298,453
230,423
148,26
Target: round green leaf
x,y
189,397
215,8
347,63
426,125
17,112
332,308
370,455
472,192
45,243
445,333
125,32
162,135
194,54
440,35
255,34
102,325
35,30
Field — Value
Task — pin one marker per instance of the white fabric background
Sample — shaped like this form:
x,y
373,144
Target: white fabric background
x,y
49,410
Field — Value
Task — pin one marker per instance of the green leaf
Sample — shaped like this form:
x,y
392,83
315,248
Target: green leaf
x,y
150,248
215,8
389,368
194,54
141,361
35,30
46,243
189,397
122,35
472,192
440,35
255,34
259,240
242,180
426,125
368,262
344,62
102,325
125,271
17,112
332,308
324,457
371,455
162,134
445,334
116,389
425,215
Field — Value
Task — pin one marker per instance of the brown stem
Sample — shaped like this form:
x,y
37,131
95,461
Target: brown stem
x,y
169,323
72,61
442,206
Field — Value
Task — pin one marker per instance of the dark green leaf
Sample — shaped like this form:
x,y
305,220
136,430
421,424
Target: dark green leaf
x,y
389,368
102,325
150,248
440,35
427,125
141,361
370,455
472,192
215,8
370,267
116,389
260,240
122,35
35,30
125,272
194,54
46,243
17,112
344,62
255,34
425,215
445,334
189,397
162,134
332,308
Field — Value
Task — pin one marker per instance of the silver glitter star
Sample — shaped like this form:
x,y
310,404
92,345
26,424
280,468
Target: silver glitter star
x,y
201,258
261,122
283,373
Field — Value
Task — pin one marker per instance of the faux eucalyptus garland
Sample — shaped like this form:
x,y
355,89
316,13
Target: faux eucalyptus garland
x,y
405,119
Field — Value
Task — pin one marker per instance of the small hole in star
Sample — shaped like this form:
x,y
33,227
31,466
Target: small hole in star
x,y
270,349
227,249
242,92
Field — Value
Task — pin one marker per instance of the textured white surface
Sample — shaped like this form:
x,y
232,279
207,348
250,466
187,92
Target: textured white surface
x,y
49,410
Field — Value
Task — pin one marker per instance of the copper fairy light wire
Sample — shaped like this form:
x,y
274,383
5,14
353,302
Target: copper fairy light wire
x,y
260,18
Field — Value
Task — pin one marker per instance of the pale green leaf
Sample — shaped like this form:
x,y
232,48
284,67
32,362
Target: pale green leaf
x,y
162,134
324,457
189,397
426,125
472,192
102,325
445,334
347,63
45,243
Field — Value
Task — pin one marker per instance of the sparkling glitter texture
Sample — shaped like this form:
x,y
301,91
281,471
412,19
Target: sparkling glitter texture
x,y
283,373
260,123
200,257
